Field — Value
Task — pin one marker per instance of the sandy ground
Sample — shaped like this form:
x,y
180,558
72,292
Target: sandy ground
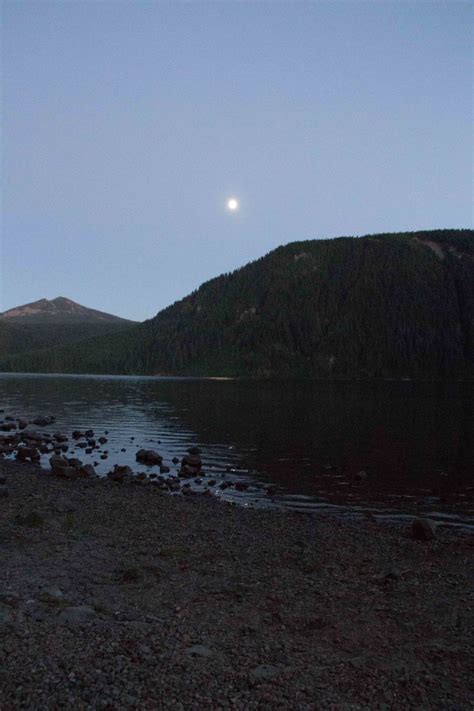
x,y
119,596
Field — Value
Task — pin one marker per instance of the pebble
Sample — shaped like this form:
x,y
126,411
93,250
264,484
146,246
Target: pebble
x,y
265,672
199,650
77,615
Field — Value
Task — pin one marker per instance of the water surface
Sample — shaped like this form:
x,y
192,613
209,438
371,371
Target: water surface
x,y
308,439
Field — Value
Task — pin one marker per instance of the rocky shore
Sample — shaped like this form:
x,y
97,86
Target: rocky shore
x,y
118,596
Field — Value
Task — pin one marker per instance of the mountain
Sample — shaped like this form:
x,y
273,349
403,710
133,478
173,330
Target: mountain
x,y
381,306
52,322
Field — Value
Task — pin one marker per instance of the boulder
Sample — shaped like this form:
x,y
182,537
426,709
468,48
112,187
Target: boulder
x,y
192,460
74,463
8,426
87,470
43,420
24,453
194,451
119,473
57,461
149,457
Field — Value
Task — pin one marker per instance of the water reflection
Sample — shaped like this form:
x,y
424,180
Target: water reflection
x,y
308,438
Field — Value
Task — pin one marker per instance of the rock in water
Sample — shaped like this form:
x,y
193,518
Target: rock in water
x,y
25,453
148,456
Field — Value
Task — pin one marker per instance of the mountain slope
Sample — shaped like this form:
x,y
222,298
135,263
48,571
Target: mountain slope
x,y
390,305
52,322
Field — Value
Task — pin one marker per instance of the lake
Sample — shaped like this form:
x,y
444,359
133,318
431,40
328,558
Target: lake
x,y
309,439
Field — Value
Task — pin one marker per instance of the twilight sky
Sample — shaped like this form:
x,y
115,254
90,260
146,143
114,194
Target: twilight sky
x,y
127,125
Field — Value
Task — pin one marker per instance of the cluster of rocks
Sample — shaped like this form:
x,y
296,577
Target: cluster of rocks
x,y
27,445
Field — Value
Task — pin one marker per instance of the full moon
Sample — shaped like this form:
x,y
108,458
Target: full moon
x,y
232,204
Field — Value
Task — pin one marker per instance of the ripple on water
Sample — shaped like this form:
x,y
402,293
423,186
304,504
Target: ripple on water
x,y
263,434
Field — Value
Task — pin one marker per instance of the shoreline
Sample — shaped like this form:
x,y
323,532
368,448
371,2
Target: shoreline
x,y
252,378
120,596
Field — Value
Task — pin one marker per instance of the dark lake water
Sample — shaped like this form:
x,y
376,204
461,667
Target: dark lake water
x,y
309,439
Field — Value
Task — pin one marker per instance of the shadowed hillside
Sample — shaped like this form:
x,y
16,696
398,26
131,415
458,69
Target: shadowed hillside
x,y
389,305
46,323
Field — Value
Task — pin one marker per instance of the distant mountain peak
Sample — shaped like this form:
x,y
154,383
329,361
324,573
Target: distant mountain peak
x,y
58,309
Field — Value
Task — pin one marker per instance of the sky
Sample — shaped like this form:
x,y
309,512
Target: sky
x,y
127,126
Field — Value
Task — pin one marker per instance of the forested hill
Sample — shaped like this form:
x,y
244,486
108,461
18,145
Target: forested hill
x,y
49,322
388,305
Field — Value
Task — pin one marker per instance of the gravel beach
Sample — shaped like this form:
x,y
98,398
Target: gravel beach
x,y
120,596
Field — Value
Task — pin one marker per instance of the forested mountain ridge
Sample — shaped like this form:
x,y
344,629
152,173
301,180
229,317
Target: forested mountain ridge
x,y
49,322
380,306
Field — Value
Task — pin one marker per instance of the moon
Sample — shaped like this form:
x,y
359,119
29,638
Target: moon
x,y
232,204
